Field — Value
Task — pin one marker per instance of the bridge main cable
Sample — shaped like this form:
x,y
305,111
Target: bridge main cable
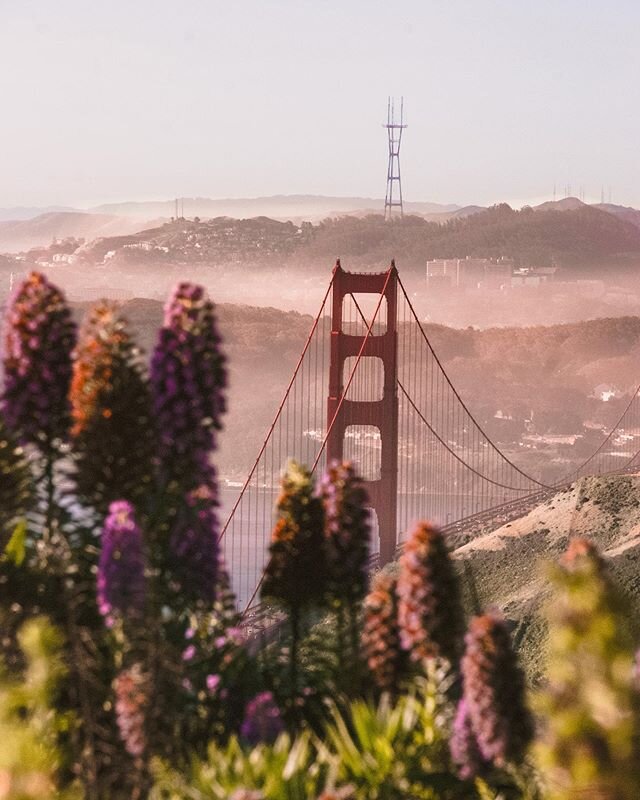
x,y
278,412
461,401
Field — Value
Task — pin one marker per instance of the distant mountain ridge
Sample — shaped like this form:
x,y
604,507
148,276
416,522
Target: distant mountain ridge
x,y
29,212
294,207
24,234
493,234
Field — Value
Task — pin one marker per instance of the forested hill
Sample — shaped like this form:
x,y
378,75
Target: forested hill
x,y
550,372
582,239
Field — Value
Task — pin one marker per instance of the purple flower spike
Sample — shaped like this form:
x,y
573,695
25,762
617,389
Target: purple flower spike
x,y
40,336
494,692
121,581
194,546
464,746
262,720
188,377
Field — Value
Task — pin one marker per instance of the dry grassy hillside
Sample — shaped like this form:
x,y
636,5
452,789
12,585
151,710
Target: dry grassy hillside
x,y
508,564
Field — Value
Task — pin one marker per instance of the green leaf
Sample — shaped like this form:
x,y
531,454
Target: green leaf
x,y
15,550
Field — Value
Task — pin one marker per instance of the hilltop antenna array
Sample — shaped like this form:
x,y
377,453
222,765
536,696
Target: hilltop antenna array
x,y
394,131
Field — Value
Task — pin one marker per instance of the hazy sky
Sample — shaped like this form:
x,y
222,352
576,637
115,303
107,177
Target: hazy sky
x,y
142,99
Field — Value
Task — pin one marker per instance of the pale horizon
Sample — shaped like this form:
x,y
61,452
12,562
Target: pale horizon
x,y
120,103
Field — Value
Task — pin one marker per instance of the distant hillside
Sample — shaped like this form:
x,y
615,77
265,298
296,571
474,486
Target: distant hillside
x,y
549,372
508,564
281,207
29,212
565,204
23,234
626,213
581,239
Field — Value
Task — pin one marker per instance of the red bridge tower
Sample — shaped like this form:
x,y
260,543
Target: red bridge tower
x,y
381,413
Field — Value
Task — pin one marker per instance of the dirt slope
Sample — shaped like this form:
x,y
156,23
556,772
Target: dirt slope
x,y
508,564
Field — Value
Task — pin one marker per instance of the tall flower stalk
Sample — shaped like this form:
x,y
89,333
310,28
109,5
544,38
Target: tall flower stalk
x,y
493,695
347,543
296,573
430,610
381,634
39,339
188,382
111,411
188,378
590,738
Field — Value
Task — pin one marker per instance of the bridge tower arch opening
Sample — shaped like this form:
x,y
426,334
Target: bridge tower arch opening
x,y
343,413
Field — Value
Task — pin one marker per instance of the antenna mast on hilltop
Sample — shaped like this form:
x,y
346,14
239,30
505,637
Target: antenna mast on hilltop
x,y
392,198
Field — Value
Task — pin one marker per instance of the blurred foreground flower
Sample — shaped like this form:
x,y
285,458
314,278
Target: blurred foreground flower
x,y
381,634
494,693
39,339
111,411
464,745
347,531
121,581
262,720
430,610
188,378
591,733
296,573
131,700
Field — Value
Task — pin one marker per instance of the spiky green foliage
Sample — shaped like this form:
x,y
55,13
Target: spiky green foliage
x,y
286,770
591,730
384,751
29,727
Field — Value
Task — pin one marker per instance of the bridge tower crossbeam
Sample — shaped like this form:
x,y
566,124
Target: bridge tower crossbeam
x,y
381,413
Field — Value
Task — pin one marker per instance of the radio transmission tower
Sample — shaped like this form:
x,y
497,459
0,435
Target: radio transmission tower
x,y
393,197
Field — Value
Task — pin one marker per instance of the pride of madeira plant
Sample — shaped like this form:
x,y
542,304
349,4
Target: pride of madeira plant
x,y
119,542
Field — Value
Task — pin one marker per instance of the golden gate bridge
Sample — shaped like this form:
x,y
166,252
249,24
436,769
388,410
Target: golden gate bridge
x,y
369,387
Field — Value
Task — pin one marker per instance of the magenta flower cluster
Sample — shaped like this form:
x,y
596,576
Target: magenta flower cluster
x,y
262,720
188,377
39,339
464,745
121,579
